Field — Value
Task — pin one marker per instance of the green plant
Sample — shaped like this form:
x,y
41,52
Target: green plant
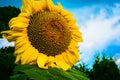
x,y
6,62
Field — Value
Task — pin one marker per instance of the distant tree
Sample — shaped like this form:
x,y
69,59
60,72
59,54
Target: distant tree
x,y
6,13
6,63
105,69
82,67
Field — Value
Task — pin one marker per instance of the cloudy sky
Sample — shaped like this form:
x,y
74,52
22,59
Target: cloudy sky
x,y
99,22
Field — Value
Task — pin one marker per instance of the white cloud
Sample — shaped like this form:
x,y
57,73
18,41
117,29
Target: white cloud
x,y
116,57
99,29
5,43
118,61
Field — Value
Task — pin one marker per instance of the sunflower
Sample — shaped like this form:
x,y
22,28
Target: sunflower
x,y
44,34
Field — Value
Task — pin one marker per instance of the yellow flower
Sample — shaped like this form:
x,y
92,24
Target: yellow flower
x,y
44,34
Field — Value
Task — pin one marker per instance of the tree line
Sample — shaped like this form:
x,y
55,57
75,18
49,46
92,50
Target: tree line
x,y
102,69
6,13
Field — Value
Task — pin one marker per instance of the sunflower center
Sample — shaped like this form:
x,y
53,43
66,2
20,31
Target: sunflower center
x,y
49,33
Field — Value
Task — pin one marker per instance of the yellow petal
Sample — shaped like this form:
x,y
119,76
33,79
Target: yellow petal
x,y
66,14
33,57
35,7
50,62
77,36
24,37
19,25
26,55
73,43
26,6
61,63
22,48
43,4
17,20
50,5
18,58
20,42
33,62
65,58
71,57
29,6
42,60
26,15
38,6
60,6
71,24
20,30
11,35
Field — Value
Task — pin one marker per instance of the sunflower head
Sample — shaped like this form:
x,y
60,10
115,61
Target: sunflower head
x,y
50,30
44,34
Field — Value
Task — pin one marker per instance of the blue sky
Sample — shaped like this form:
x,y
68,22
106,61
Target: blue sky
x,y
99,21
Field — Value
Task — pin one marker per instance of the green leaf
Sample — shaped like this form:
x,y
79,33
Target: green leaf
x,y
60,74
19,77
35,73
22,68
78,75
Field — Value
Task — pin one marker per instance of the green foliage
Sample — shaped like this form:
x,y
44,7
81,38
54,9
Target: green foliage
x,y
6,62
27,72
8,70
104,69
82,67
6,13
